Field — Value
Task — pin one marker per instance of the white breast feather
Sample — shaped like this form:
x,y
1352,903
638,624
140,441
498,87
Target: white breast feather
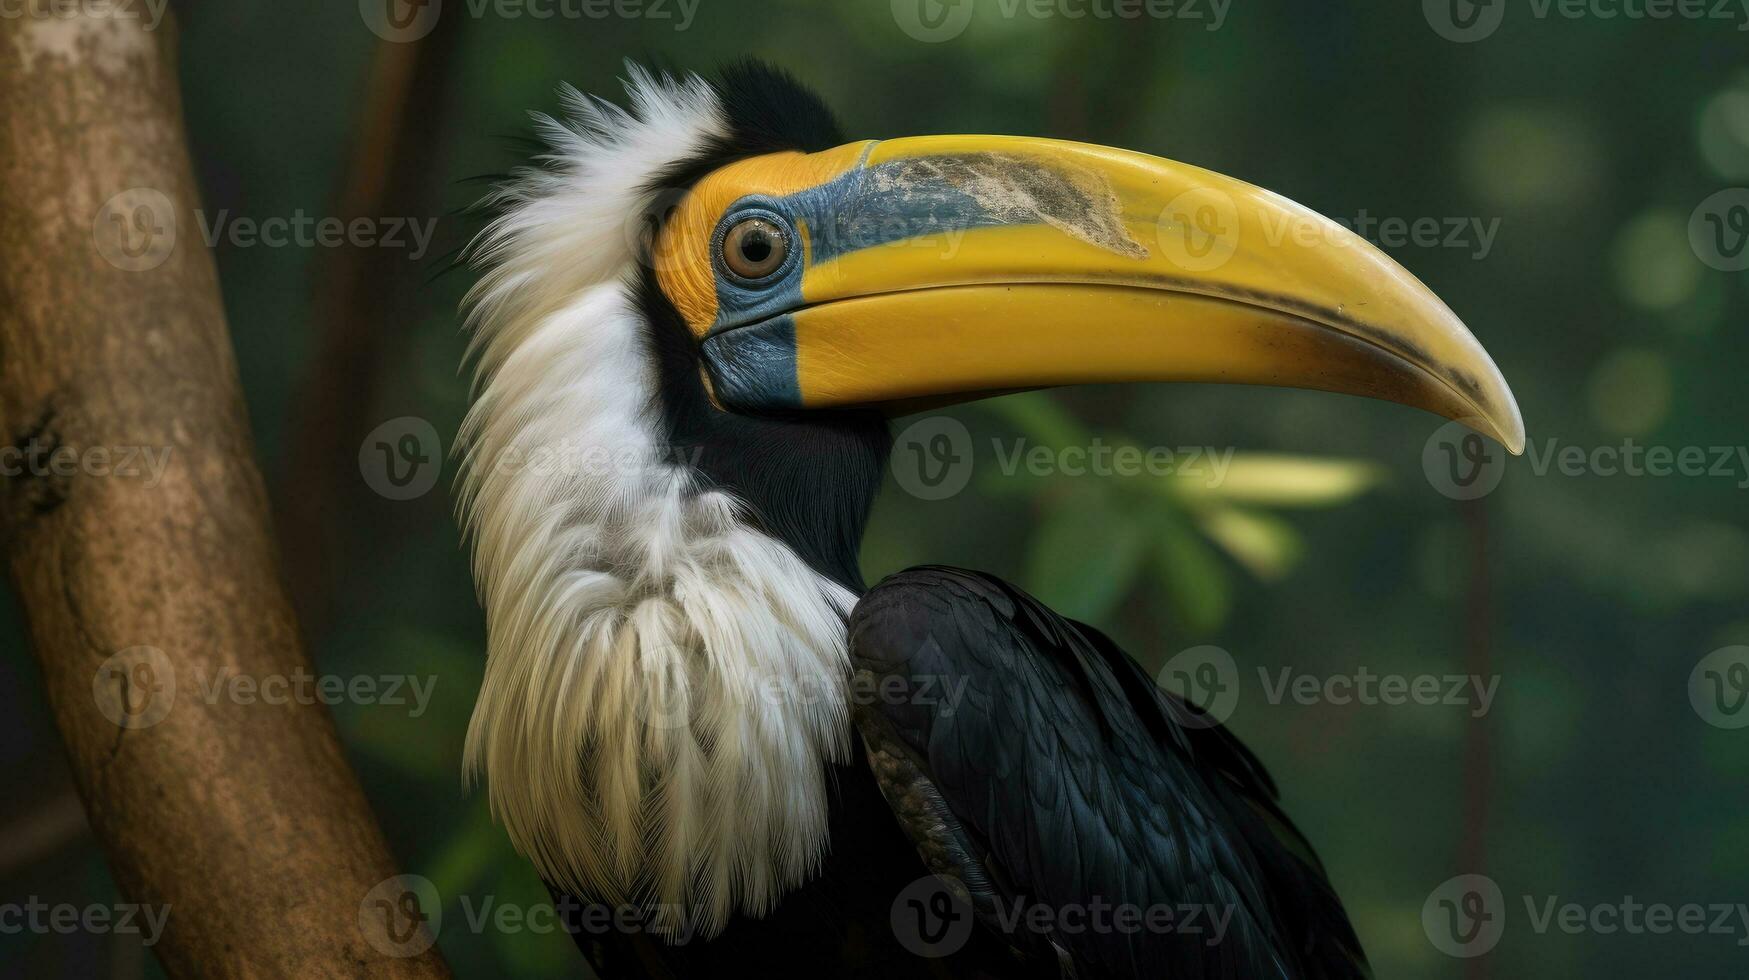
x,y
664,684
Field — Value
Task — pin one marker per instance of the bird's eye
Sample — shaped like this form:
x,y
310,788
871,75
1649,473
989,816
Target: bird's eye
x,y
754,248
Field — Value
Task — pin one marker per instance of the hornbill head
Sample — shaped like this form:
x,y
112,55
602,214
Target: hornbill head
x,y
885,273
696,319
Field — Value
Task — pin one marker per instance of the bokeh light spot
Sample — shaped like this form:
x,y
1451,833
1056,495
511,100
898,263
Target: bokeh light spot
x,y
1723,132
1630,391
1654,267
1529,157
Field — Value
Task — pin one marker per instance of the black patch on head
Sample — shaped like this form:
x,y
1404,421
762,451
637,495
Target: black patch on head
x,y
768,111
810,478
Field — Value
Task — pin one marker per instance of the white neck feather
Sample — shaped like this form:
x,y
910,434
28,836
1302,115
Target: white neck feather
x,y
664,684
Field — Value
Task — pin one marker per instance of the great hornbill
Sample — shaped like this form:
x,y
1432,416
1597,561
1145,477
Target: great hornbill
x,y
696,318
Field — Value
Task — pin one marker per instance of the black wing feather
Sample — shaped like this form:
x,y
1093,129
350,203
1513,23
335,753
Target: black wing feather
x,y
1071,778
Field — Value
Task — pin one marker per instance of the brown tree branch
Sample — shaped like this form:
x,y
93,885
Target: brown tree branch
x,y
144,593
1478,766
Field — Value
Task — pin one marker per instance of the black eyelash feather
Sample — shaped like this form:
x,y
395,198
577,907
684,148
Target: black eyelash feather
x,y
770,110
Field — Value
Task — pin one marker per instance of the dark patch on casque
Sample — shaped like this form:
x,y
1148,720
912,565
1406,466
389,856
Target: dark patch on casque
x,y
1016,189
919,197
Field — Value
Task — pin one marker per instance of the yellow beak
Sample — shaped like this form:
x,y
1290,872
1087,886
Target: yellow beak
x,y
941,268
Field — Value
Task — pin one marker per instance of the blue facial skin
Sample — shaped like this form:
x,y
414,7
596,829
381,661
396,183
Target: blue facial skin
x,y
750,351
754,368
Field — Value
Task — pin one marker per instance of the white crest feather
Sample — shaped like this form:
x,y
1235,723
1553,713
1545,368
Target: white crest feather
x,y
664,684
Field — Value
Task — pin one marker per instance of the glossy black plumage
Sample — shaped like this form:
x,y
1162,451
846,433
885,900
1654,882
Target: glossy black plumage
x,y
1079,781
836,926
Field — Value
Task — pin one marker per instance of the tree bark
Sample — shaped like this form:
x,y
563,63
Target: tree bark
x,y
148,592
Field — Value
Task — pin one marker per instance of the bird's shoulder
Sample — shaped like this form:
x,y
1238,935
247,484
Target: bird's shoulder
x,y
1035,762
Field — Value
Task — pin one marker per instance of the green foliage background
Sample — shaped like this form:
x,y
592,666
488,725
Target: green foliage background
x,y
1590,140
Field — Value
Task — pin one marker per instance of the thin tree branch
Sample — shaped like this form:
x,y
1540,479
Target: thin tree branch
x,y
1478,766
358,291
41,831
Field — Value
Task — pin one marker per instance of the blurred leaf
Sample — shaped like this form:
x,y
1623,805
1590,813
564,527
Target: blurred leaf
x,y
1198,587
427,744
533,950
400,741
1038,416
1267,546
477,845
1277,480
1083,558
